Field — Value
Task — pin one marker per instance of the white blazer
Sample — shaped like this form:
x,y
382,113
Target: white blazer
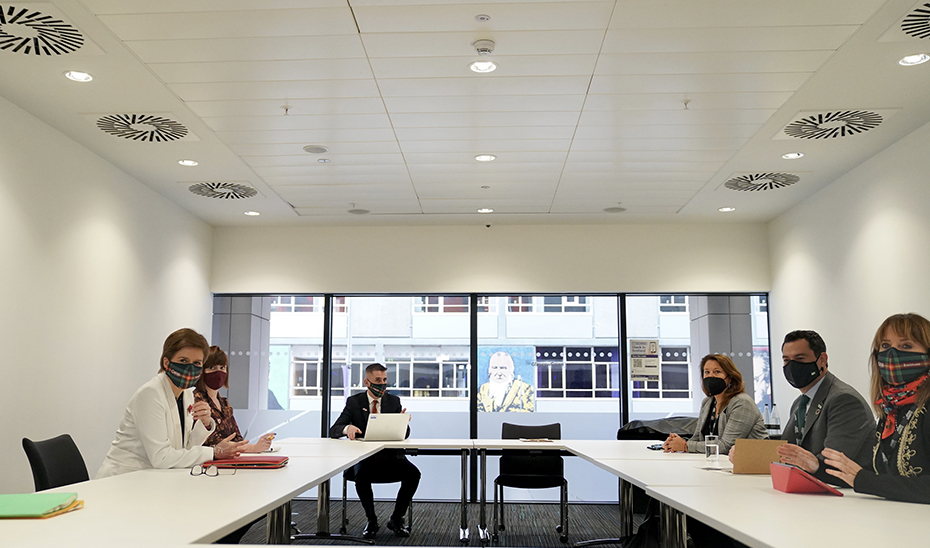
x,y
149,435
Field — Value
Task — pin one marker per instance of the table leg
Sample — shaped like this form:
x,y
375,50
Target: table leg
x,y
626,508
322,508
278,528
483,534
673,527
463,527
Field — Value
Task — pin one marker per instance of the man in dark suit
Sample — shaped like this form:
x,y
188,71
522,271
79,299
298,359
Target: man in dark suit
x,y
387,466
828,413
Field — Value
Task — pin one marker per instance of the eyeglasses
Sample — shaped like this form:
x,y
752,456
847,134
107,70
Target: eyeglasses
x,y
212,471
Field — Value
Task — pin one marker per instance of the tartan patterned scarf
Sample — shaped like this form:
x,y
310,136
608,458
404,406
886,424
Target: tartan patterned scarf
x,y
895,396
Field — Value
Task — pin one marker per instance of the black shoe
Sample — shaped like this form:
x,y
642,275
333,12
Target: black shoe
x,y
371,529
397,525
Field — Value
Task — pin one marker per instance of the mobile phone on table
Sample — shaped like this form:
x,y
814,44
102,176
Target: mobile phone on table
x,y
655,446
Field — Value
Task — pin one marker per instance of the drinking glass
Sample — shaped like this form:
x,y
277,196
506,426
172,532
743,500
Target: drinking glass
x,y
711,449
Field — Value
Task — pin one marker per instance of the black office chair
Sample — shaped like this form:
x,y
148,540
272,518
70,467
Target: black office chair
x,y
55,462
349,475
531,470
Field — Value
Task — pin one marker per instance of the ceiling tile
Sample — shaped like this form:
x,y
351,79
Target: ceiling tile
x,y
335,149
259,48
304,89
484,119
480,133
305,136
697,83
232,24
297,107
461,17
334,160
263,71
668,131
716,62
500,103
482,146
458,67
733,39
681,116
477,85
283,123
467,158
456,44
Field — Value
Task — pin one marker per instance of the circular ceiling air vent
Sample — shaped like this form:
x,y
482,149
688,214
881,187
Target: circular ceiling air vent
x,y
917,23
829,125
26,31
142,127
761,181
223,190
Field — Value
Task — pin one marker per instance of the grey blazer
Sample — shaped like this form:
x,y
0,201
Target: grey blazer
x,y
740,419
838,417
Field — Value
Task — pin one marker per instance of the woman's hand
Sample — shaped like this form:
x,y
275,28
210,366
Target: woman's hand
x,y
846,469
228,449
674,444
201,412
263,444
798,456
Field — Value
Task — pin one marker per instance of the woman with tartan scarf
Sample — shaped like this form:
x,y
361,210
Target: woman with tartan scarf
x,y
898,465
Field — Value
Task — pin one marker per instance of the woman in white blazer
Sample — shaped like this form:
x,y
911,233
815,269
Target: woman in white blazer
x,y
162,426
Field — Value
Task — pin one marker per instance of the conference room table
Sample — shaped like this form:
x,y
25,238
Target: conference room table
x,y
171,508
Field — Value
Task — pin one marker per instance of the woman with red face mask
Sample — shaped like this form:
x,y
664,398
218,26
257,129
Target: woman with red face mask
x,y
896,465
215,376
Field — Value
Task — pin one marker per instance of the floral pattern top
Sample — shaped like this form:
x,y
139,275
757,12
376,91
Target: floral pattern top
x,y
223,415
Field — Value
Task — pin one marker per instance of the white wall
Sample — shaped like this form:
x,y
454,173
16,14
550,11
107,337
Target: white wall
x,y
524,258
852,255
95,270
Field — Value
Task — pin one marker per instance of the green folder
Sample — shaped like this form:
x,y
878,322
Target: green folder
x,y
34,505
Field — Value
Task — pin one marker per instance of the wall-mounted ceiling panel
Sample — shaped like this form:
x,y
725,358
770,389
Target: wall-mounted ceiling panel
x,y
263,71
257,48
732,39
504,17
231,24
456,44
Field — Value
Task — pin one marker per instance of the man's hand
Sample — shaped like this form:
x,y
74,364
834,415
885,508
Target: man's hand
x,y
798,456
352,431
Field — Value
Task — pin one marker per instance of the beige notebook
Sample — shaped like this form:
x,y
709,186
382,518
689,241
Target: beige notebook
x,y
754,456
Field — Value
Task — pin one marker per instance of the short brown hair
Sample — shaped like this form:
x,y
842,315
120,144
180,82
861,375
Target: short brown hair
x,y
374,367
182,338
736,378
215,357
912,326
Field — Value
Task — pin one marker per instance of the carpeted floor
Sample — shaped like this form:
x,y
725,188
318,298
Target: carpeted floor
x,y
437,524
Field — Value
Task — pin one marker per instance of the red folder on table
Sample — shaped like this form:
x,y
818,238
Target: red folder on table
x,y
249,461
791,479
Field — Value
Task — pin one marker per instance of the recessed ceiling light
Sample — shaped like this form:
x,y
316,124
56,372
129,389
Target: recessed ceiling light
x,y
792,155
485,210
485,157
916,59
484,18
485,187
615,209
726,209
188,163
324,160
78,76
483,67
316,149
359,211
252,213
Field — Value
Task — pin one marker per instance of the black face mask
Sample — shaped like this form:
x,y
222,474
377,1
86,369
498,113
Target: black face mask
x,y
800,374
714,385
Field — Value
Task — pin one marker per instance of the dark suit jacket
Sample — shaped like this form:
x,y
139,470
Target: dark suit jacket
x,y
838,417
356,413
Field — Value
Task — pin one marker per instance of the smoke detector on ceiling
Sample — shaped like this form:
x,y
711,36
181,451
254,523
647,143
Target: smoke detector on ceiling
x,y
223,190
33,32
761,181
484,46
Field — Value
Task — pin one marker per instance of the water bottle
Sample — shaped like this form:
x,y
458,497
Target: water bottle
x,y
776,421
766,416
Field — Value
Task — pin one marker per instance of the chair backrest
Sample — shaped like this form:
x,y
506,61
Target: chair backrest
x,y
55,462
519,463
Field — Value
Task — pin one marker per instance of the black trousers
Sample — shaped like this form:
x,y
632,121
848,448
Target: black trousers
x,y
386,468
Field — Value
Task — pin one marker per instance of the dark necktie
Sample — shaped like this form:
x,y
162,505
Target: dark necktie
x,y
374,406
802,411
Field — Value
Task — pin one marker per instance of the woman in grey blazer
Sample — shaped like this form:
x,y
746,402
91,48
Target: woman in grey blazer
x,y
727,412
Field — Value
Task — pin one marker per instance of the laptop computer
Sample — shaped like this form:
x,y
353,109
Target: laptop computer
x,y
754,456
386,427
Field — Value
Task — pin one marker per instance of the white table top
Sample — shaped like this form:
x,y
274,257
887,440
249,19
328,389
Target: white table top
x,y
646,473
762,517
170,506
592,450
